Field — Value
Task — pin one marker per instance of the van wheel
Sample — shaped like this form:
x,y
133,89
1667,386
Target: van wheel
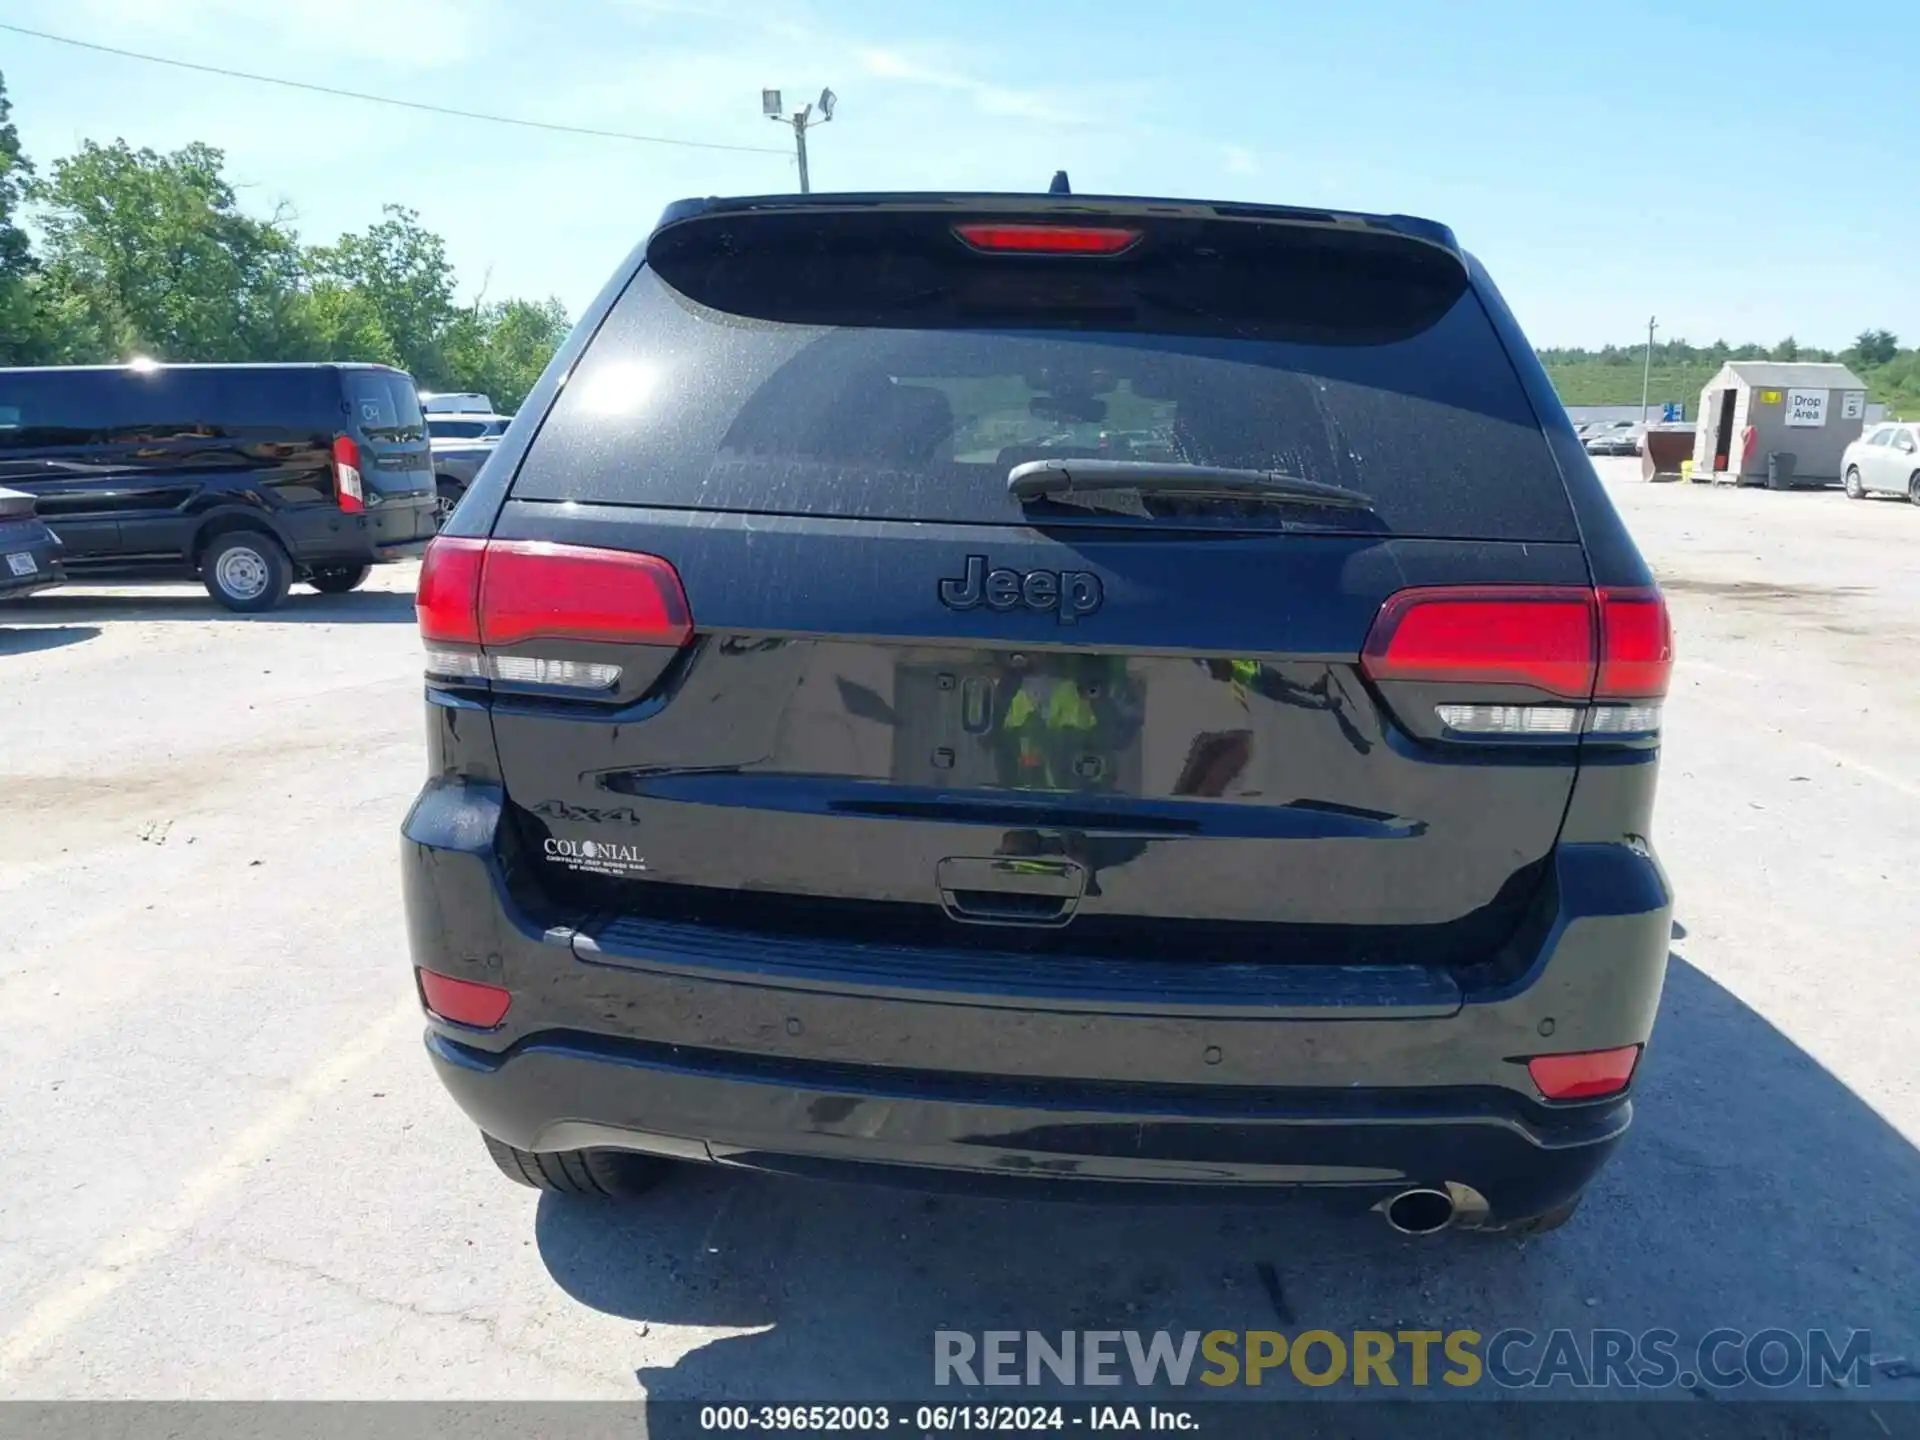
x,y
606,1174
246,571
1855,490
1913,488
338,579
449,496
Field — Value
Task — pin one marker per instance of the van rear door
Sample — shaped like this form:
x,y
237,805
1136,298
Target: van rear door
x,y
385,422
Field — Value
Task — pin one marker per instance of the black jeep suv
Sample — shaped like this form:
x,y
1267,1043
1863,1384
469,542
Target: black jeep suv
x,y
1047,690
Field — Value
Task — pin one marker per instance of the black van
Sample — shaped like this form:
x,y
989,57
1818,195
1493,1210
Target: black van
x,y
248,476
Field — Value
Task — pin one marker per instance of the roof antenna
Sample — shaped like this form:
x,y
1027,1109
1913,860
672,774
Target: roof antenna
x,y
1059,185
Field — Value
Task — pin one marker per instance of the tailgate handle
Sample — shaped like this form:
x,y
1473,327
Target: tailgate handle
x,y
1001,890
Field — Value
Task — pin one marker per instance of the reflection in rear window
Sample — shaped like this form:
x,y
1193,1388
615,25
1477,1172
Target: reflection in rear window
x,y
677,404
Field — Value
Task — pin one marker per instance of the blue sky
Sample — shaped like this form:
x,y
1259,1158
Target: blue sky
x,y
1742,171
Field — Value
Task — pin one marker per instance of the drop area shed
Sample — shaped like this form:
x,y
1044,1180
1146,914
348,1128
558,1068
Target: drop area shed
x,y
1782,422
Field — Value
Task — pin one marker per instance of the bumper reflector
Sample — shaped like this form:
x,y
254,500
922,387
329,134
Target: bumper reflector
x,y
1584,1074
464,1002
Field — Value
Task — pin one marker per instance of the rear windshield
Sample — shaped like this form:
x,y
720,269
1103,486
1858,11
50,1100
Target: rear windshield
x,y
384,404
866,374
60,407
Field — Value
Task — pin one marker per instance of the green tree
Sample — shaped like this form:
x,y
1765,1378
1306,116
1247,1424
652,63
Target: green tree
x,y
151,253
331,321
18,341
1874,347
400,267
501,349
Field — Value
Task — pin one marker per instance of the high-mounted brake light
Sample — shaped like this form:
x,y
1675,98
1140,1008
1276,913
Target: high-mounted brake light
x,y
1584,1074
1009,239
348,491
1609,652
478,597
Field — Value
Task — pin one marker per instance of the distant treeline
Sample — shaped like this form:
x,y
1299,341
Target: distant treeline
x,y
1612,376
132,252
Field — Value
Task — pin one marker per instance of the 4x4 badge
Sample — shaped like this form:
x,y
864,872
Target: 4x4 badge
x,y
1069,593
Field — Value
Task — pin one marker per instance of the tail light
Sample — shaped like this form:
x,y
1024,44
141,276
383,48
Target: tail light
x,y
520,612
464,1002
1585,1074
348,489
1003,239
1603,658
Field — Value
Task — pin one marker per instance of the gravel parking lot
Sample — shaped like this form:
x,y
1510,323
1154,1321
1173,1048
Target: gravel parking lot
x,y
230,1173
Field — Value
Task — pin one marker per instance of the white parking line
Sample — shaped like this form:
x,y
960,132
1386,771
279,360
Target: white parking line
x,y
114,1265
1872,771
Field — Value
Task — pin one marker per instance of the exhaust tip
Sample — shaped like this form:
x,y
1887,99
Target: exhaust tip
x,y
1419,1212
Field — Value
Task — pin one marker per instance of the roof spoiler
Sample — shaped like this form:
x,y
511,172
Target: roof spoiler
x,y
1055,205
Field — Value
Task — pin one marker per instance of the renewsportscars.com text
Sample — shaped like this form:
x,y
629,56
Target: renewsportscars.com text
x,y
1512,1358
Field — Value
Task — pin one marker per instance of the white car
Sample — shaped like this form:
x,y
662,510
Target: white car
x,y
463,427
450,402
1885,460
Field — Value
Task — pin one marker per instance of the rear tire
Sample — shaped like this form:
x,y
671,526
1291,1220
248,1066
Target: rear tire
x,y
602,1174
246,571
338,579
1855,490
448,496
1913,488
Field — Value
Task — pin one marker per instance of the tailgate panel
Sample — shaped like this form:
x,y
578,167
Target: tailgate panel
x,y
1224,775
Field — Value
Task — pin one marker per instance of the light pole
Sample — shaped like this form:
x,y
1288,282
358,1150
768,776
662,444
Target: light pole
x,y
1646,372
770,107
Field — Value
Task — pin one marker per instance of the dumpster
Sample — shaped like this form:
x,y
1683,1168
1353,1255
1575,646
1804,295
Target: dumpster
x,y
1663,451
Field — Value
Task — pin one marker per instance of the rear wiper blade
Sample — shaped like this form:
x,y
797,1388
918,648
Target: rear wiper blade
x,y
1058,479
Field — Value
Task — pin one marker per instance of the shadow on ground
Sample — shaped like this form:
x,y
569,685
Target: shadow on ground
x,y
1756,1190
191,603
43,637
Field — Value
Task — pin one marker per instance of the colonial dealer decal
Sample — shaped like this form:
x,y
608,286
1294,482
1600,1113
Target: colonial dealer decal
x,y
596,857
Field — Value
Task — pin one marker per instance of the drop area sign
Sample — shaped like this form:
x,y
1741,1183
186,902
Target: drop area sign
x,y
1806,408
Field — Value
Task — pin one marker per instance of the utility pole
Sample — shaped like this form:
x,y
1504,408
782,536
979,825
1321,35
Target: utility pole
x,y
1646,373
771,107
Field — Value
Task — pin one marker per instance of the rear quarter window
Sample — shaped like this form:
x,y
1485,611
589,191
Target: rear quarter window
x,y
737,407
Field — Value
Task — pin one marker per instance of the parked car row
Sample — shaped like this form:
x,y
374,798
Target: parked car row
x,y
1613,437
1883,461
248,477
29,550
461,443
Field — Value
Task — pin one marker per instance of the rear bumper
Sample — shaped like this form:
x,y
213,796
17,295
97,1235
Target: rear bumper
x,y
1363,1080
43,554
396,529
567,1093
